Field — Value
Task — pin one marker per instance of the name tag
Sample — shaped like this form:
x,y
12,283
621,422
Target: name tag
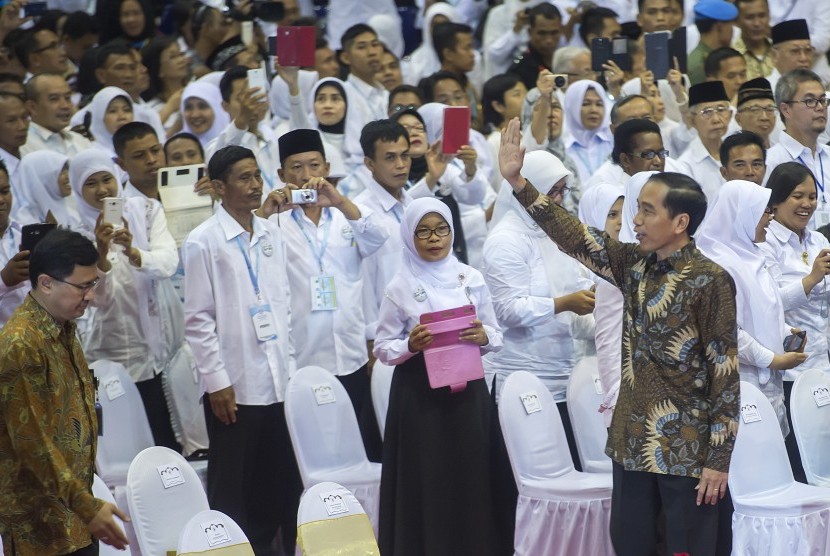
x,y
530,401
821,394
170,475
597,384
323,293
216,532
750,413
264,325
323,394
114,388
334,502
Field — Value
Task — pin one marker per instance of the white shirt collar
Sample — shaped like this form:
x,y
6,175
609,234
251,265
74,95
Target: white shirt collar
x,y
387,201
796,149
232,228
361,86
698,153
44,133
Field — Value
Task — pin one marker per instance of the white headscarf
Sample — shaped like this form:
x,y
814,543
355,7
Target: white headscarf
x,y
632,192
424,60
389,32
98,109
83,165
439,274
350,144
596,202
278,96
727,237
433,115
573,112
210,94
39,171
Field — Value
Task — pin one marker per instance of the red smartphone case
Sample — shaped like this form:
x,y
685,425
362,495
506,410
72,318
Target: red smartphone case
x,y
296,46
456,128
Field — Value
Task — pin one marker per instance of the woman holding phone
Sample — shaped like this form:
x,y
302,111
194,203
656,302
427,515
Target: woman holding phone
x,y
799,260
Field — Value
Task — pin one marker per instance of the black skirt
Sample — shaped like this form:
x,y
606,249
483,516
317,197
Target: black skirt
x,y
446,486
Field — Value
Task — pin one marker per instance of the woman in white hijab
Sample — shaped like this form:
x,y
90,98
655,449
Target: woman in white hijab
x,y
202,112
538,291
46,175
588,139
729,236
110,108
389,32
424,60
437,480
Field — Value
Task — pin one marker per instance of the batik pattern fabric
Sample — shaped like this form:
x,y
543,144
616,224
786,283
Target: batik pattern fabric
x,y
679,394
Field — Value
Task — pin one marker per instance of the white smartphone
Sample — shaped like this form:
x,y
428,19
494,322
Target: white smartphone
x,y
256,78
114,211
247,32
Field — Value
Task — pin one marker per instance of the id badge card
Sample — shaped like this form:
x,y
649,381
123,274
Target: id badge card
x,y
264,325
323,293
822,215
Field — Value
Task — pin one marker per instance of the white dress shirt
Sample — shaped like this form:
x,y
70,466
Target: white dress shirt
x,y
263,145
790,150
371,101
65,141
783,250
611,172
11,297
332,339
18,191
139,318
703,168
219,295
381,266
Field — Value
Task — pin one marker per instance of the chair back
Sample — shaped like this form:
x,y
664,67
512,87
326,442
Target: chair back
x,y
126,429
532,428
810,410
321,423
181,385
381,387
101,491
759,460
212,532
163,493
330,520
584,398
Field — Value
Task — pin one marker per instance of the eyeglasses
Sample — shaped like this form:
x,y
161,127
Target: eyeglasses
x,y
756,110
400,107
561,190
51,46
707,113
84,289
425,233
415,128
811,102
800,51
649,155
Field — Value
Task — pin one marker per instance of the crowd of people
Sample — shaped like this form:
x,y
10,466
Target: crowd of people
x,y
675,226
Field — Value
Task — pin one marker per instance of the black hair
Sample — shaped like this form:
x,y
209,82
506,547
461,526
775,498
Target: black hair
x,y
494,90
4,170
58,253
352,33
741,138
86,82
546,10
7,77
626,132
445,36
593,21
704,24
179,12
80,24
408,112
684,196
386,131
200,18
615,109
115,48
26,46
711,65
184,135
427,84
404,88
151,58
784,178
641,2
49,20
108,15
226,83
128,132
222,161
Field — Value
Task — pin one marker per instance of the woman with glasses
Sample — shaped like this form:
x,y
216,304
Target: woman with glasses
x,y
799,261
539,293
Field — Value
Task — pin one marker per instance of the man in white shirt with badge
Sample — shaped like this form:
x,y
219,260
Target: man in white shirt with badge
x,y
802,103
49,102
238,323
325,243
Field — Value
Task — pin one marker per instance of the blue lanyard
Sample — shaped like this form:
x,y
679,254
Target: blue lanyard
x,y
320,251
253,275
394,212
820,184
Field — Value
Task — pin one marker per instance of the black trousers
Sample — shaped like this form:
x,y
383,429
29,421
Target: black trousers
x,y
790,442
158,414
358,386
91,550
253,475
637,499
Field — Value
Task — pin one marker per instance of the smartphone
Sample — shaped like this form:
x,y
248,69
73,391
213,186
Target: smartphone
x,y
600,52
34,9
295,46
246,32
619,53
180,175
456,128
796,342
657,54
31,234
256,79
114,211
677,49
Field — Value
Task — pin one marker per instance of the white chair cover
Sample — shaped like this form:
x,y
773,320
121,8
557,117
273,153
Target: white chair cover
x,y
560,511
381,385
326,437
182,389
101,491
587,422
212,532
331,521
773,514
126,430
811,424
163,493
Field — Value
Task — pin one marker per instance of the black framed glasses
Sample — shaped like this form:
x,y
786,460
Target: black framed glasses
x,y
55,45
811,102
425,233
650,155
82,288
400,107
756,110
